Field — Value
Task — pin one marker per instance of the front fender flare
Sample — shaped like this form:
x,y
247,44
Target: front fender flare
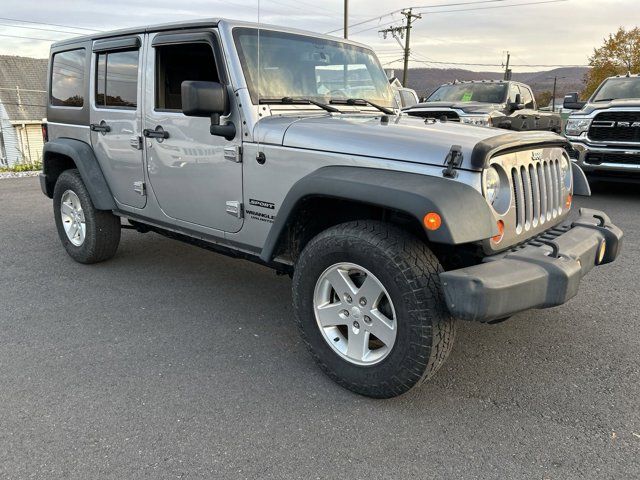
x,y
466,216
87,164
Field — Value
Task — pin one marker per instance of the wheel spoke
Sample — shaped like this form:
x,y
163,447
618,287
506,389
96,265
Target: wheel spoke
x,y
73,230
341,283
66,209
328,315
358,344
371,290
382,327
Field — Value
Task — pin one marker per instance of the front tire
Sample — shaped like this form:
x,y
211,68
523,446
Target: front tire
x,y
87,234
378,286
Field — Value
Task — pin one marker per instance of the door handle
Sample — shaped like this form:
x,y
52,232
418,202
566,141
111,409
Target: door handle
x,y
159,133
101,127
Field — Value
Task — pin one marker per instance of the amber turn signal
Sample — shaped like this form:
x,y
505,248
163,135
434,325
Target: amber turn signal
x,y
567,203
432,221
498,238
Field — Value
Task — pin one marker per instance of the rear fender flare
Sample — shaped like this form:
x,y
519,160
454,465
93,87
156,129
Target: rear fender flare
x,y
87,164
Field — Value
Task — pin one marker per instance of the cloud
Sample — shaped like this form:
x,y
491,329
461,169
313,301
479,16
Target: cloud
x,y
559,33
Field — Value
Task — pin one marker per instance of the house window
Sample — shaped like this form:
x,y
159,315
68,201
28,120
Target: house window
x,y
117,79
67,78
177,63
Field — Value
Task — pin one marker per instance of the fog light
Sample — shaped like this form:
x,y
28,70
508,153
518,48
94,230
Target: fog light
x,y
601,252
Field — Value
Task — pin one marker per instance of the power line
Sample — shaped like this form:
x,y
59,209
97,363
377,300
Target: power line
x,y
492,8
50,24
380,17
31,38
39,28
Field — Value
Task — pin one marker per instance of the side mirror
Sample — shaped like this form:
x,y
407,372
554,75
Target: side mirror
x,y
572,102
517,104
208,99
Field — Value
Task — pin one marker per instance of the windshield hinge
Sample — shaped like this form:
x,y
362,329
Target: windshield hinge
x,y
453,160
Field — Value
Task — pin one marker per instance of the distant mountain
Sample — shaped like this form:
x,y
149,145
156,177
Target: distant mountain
x,y
426,80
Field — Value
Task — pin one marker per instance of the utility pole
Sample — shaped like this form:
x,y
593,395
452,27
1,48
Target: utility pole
x,y
507,71
346,19
555,83
403,31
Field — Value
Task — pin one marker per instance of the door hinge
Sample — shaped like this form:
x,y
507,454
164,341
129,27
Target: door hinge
x,y
233,153
136,142
453,160
140,188
235,208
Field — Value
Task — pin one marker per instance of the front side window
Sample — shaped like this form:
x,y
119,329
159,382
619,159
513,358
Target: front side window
x,y
299,66
67,79
470,92
177,63
117,79
527,97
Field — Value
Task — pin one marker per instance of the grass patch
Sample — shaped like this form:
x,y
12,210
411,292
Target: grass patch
x,y
22,167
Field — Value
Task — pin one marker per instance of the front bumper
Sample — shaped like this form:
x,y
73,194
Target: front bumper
x,y
543,273
605,158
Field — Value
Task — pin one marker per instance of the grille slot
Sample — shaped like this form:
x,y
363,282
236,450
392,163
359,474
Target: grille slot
x,y
616,127
437,114
537,190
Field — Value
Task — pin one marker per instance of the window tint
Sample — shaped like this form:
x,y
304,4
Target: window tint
x,y
177,63
117,79
67,79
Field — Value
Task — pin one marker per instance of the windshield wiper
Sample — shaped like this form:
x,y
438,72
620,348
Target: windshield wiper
x,y
604,100
362,101
300,101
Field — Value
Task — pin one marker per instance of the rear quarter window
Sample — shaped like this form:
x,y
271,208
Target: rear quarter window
x,y
67,79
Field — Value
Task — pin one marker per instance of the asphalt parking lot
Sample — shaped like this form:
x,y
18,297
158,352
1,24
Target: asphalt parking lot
x,y
173,362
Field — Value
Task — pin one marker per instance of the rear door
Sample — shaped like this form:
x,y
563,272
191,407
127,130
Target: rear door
x,y
116,117
195,176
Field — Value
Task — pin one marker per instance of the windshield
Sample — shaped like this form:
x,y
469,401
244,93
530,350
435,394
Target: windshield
x,y
618,88
470,92
299,66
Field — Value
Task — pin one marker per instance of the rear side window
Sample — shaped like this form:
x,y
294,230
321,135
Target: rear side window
x,y
117,79
67,79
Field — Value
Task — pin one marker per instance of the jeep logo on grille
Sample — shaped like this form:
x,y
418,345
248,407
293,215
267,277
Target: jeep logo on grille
x,y
603,124
536,156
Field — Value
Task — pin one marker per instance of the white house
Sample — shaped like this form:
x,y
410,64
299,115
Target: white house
x,y
22,108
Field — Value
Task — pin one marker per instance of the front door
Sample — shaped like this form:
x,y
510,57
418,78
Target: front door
x,y
116,117
189,174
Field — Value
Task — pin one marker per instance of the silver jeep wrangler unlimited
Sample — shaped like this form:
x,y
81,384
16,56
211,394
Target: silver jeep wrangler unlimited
x,y
286,148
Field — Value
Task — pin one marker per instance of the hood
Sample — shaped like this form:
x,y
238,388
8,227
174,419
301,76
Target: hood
x,y
467,107
596,106
403,138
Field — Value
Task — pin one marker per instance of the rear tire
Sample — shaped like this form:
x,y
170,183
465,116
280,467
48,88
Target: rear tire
x,y
409,294
88,235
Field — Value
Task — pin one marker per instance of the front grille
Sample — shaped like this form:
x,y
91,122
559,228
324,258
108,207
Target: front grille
x,y
438,115
537,189
616,127
596,158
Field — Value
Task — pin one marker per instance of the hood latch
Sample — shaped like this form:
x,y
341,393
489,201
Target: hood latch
x,y
453,160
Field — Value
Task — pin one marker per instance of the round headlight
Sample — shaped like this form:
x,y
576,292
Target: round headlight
x,y
565,171
492,185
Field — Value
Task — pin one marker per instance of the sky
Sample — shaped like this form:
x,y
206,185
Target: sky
x,y
554,33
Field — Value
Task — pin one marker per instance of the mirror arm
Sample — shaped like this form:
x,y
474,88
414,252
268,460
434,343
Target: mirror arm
x,y
227,131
